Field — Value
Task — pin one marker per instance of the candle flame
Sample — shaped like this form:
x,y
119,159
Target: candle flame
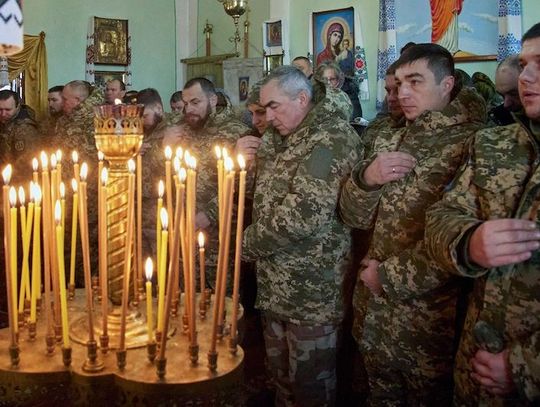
x,y
84,171
37,194
168,153
6,174
193,163
57,212
179,152
35,164
229,164
117,101
149,268
53,161
22,196
100,156
62,189
241,162
12,196
131,166
44,161
75,156
104,176
59,155
31,191
164,218
187,156
182,175
161,188
201,240
74,185
176,164
217,150
224,153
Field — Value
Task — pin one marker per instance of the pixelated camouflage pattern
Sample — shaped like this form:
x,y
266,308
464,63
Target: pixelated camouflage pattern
x,y
304,374
500,180
47,127
296,237
75,131
222,128
20,141
412,325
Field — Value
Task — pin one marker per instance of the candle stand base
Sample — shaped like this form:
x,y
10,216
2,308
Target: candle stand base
x,y
161,368
32,331
194,354
233,346
121,359
66,356
14,355
92,364
71,291
151,350
104,343
50,342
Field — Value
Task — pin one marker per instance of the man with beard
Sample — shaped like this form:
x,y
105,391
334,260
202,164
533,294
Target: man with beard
x,y
56,104
202,127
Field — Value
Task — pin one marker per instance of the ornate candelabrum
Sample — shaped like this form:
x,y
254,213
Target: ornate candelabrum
x,y
235,8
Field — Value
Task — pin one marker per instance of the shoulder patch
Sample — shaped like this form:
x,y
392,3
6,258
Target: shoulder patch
x,y
319,162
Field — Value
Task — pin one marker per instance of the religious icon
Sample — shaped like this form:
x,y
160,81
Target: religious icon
x,y
110,41
273,34
243,88
333,38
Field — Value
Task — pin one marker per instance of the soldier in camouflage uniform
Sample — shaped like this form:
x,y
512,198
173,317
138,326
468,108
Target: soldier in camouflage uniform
x,y
55,103
20,139
486,227
296,237
203,126
408,329
75,131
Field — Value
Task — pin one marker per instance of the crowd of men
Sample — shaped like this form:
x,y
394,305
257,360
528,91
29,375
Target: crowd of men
x,y
446,304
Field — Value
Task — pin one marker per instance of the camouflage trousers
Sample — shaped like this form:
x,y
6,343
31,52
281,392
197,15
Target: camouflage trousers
x,y
302,362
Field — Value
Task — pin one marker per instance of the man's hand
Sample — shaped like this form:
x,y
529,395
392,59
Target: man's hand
x,y
201,220
493,372
248,146
370,277
503,241
389,166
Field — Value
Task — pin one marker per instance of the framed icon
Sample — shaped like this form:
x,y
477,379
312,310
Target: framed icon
x,y
111,41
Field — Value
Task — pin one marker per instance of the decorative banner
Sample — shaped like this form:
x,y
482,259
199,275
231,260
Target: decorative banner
x,y
386,54
11,27
509,28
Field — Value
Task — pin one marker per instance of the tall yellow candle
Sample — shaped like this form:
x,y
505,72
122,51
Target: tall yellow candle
x,y
139,224
162,267
6,175
202,271
74,224
35,167
103,250
62,193
61,272
54,260
149,269
13,241
161,191
168,186
192,182
36,253
25,279
76,170
217,150
46,204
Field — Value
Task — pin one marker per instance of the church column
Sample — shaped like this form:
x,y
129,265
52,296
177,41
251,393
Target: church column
x,y
282,9
186,35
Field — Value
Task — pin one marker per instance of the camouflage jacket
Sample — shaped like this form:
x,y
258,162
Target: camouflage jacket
x,y
412,290
296,237
19,143
500,180
223,129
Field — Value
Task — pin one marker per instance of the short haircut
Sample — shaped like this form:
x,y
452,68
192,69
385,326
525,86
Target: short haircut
x,y
207,86
130,97
176,97
122,84
511,61
391,70
302,58
406,47
533,32
58,88
81,88
6,94
149,97
439,59
290,80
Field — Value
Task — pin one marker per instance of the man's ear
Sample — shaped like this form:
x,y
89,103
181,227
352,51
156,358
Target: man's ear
x,y
448,84
303,98
213,101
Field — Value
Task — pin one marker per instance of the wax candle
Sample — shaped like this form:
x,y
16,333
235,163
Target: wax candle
x,y
202,271
190,226
139,225
217,150
149,269
168,186
162,267
6,175
46,204
75,160
161,191
36,253
62,193
103,249
74,224
59,168
61,271
25,278
35,167
13,242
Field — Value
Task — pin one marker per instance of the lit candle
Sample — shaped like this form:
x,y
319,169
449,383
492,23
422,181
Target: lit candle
x,y
36,253
148,270
6,175
161,191
83,223
190,227
59,169
202,272
62,191
168,186
139,226
103,249
238,248
61,271
162,267
217,150
46,204
26,231
13,241
35,167
54,259
74,216
128,252
75,159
